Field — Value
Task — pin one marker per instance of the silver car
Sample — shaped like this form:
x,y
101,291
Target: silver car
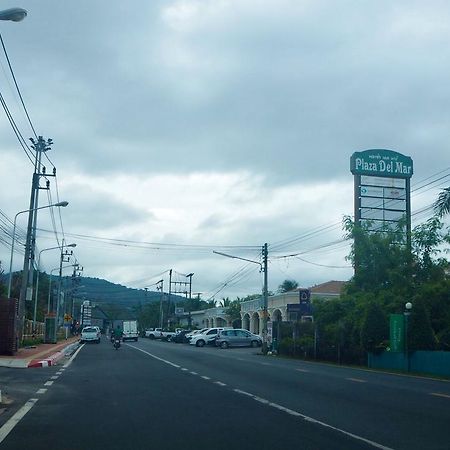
x,y
238,337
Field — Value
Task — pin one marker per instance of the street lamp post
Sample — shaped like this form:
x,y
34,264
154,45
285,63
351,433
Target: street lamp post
x,y
37,280
406,314
62,204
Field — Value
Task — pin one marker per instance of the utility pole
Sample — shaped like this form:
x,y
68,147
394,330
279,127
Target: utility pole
x,y
265,299
170,290
64,255
160,287
26,291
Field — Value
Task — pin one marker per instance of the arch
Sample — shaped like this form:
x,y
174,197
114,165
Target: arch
x,y
277,316
220,322
246,321
254,325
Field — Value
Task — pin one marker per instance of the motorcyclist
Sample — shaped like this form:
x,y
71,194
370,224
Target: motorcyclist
x,y
118,333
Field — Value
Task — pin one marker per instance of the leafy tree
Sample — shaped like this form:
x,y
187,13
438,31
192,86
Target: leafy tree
x,y
287,285
234,312
442,204
374,328
420,333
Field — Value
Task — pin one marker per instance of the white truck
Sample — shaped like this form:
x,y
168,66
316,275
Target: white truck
x,y
159,333
130,330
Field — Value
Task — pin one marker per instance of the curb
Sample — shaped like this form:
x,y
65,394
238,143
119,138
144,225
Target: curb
x,y
52,359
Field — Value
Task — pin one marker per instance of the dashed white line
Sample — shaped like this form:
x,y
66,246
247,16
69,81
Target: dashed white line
x,y
310,419
16,418
54,377
438,394
205,377
193,373
302,370
356,380
154,356
41,391
184,369
219,383
48,383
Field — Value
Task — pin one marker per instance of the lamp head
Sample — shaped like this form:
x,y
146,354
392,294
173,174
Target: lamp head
x,y
63,204
13,14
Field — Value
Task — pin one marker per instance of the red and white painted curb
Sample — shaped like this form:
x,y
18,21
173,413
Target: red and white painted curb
x,y
50,361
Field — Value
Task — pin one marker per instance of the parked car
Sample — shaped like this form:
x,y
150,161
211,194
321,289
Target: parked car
x,y
238,337
208,337
90,334
193,333
180,337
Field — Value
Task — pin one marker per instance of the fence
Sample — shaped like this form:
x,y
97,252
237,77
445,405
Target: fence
x,y
28,329
428,362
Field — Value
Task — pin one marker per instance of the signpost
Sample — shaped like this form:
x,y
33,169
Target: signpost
x,y
382,191
397,333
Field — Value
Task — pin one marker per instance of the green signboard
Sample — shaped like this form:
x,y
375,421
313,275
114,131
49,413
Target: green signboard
x,y
397,333
381,163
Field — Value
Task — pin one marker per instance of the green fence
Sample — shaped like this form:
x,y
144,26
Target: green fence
x,y
433,363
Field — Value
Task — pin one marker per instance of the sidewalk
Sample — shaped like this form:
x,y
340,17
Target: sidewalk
x,y
42,355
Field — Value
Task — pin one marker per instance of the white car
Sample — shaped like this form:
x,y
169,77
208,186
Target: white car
x,y
193,333
205,338
90,334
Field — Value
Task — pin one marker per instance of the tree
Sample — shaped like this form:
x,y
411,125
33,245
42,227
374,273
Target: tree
x,y
374,328
287,285
442,204
420,333
233,312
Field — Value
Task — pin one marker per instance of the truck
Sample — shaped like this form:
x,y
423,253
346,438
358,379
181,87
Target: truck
x,y
159,333
130,330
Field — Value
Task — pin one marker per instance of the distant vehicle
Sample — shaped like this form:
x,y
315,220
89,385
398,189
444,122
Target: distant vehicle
x,y
159,333
130,330
180,337
90,334
193,333
208,337
237,338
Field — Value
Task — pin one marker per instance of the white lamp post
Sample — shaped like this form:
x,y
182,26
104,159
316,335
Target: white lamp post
x,y
62,204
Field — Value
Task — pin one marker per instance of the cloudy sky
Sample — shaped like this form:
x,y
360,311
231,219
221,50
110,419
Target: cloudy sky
x,y
186,126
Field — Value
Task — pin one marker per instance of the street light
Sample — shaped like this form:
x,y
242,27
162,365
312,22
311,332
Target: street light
x,y
62,204
37,281
406,314
13,14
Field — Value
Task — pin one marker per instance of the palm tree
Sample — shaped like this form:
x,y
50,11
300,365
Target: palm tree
x,y
442,204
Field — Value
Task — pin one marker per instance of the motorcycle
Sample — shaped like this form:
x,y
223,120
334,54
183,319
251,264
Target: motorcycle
x,y
116,343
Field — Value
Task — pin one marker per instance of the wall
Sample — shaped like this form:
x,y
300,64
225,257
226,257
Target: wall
x,y
433,363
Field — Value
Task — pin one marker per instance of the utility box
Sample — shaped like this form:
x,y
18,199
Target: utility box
x,y
9,310
50,330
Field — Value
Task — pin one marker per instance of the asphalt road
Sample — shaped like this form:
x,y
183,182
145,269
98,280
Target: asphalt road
x,y
162,395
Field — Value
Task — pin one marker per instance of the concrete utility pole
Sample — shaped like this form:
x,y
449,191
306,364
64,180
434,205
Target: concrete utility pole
x,y
161,311
64,255
170,292
26,291
265,299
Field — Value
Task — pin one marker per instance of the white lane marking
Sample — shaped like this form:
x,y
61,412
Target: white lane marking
x,y
16,418
193,373
438,394
68,363
59,373
184,369
311,420
356,380
266,364
54,377
41,391
302,370
219,383
156,357
205,377
48,383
